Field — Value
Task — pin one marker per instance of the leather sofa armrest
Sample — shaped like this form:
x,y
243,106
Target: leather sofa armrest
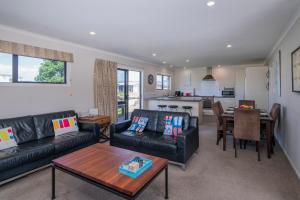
x,y
119,127
90,127
187,143
194,122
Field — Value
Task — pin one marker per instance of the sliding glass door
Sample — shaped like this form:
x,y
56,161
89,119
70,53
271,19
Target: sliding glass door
x,y
129,92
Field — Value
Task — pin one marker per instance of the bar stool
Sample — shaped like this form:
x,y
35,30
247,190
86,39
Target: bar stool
x,y
187,109
161,107
173,107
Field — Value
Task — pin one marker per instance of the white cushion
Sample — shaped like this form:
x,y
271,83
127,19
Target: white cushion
x,y
7,138
65,125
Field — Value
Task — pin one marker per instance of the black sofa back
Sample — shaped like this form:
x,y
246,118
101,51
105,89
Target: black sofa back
x,y
156,120
23,128
43,123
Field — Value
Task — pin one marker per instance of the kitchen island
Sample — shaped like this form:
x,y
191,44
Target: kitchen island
x,y
195,102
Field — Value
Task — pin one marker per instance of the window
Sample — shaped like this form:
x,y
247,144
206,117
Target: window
x,y
159,82
5,68
23,69
163,82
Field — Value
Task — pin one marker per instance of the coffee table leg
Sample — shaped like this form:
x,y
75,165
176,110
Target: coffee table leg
x,y
53,182
166,183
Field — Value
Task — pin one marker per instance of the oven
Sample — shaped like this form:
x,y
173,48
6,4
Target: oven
x,y
207,102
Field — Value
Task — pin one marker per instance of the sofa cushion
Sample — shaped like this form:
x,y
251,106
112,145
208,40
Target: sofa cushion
x,y
65,125
150,114
23,128
159,142
25,153
128,137
162,117
7,138
43,123
68,141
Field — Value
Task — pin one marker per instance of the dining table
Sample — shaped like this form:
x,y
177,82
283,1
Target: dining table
x,y
265,119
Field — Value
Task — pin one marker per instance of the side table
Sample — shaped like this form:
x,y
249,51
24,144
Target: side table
x,y
102,120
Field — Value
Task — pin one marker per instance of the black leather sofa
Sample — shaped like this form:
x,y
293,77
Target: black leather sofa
x,y
37,145
177,149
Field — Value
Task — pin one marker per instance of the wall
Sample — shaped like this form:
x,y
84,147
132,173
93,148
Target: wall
x,y
256,86
32,99
288,133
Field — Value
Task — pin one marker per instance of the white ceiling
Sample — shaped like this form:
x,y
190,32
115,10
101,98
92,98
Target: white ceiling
x,y
174,29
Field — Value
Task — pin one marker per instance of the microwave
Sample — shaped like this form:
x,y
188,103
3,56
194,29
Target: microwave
x,y
228,93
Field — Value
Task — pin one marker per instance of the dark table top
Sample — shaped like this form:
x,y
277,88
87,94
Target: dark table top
x,y
229,114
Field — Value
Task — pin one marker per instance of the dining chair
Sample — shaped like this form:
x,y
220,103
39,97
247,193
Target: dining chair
x,y
247,103
218,111
247,127
275,114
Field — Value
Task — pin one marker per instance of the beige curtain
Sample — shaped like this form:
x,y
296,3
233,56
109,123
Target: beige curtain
x,y
32,51
105,88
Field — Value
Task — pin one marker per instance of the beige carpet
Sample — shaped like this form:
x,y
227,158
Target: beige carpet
x,y
211,174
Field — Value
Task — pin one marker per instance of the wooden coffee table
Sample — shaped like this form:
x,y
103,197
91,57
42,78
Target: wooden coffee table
x,y
98,164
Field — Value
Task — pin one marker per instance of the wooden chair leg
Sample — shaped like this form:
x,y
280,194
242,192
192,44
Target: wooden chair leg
x,y
219,136
235,153
258,150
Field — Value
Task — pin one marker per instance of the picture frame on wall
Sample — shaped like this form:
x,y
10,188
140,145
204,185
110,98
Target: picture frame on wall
x,y
296,70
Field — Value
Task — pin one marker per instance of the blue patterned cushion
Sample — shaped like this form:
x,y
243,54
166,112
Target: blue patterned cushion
x,y
138,124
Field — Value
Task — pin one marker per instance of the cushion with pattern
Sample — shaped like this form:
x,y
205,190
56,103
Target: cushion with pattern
x,y
65,125
7,138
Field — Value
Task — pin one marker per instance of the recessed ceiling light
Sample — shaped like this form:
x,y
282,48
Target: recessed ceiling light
x,y
229,46
92,33
187,60
210,3
164,62
154,54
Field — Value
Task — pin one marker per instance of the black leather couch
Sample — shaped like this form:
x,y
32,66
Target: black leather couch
x,y
177,149
37,145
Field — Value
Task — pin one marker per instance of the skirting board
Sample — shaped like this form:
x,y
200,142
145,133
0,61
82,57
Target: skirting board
x,y
288,157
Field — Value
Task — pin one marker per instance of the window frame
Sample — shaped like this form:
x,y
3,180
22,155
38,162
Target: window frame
x,y
162,81
15,73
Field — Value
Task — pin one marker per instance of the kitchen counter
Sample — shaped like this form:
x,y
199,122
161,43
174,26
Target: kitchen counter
x,y
193,99
195,102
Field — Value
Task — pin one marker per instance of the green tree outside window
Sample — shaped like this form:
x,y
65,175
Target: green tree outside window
x,y
51,71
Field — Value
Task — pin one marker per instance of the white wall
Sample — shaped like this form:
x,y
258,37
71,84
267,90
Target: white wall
x,y
256,86
288,133
18,100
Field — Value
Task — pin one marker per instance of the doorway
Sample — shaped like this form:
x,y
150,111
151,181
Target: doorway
x,y
128,92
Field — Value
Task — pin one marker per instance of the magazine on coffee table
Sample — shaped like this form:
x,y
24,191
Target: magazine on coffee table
x,y
135,167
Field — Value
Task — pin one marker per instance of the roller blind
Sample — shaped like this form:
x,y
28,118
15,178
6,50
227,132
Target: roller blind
x,y
32,51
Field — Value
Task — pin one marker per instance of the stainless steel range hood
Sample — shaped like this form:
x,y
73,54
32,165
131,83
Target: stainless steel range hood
x,y
209,76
